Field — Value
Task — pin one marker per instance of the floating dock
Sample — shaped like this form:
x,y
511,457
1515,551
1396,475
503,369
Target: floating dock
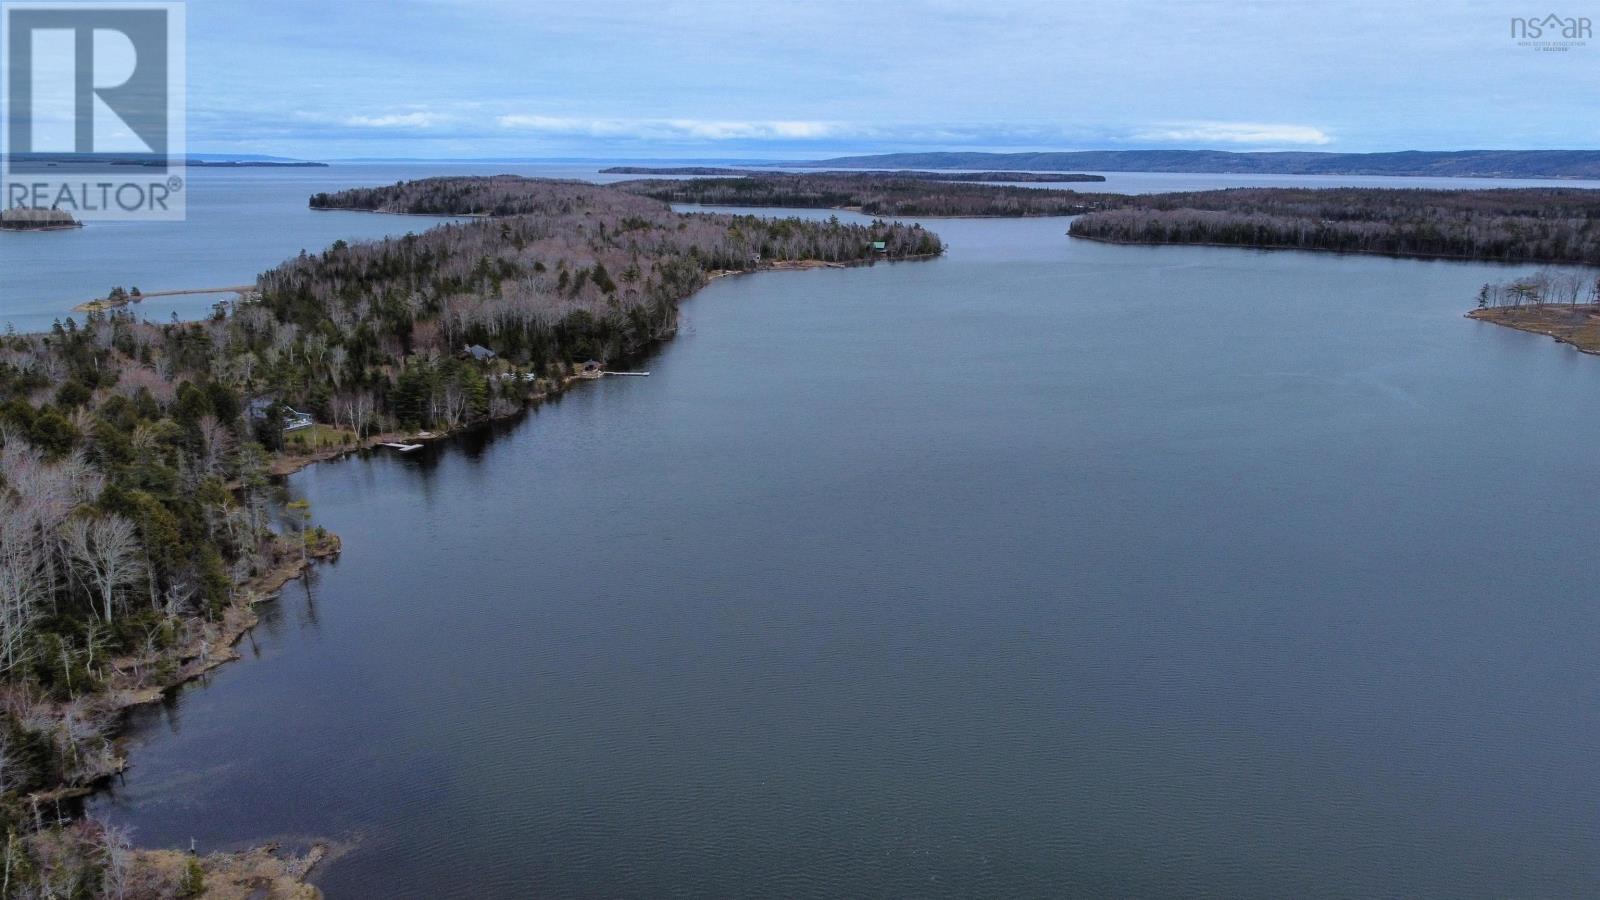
x,y
403,448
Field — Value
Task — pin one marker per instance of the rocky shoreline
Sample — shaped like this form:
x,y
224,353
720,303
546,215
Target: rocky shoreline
x,y
264,872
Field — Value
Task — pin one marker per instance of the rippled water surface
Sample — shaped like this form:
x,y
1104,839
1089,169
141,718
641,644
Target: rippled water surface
x,y
1047,568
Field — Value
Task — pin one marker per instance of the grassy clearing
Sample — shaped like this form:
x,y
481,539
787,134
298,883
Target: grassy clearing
x,y
318,437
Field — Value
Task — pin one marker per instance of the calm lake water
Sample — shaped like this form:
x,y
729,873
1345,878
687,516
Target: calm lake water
x,y
1047,568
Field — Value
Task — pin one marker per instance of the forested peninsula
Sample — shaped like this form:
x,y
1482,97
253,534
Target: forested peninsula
x,y
1544,225
1514,225
873,194
136,499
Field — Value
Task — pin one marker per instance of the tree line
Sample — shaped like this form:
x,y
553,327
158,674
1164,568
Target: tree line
x,y
1551,225
1543,288
26,218
874,194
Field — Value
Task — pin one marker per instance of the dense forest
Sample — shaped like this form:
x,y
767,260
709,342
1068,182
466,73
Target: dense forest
x,y
138,518
134,535
873,194
1512,225
701,171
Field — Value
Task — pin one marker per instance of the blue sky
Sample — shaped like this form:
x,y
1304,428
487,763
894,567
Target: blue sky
x,y
760,78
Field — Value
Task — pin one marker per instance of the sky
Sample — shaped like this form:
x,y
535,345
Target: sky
x,y
334,79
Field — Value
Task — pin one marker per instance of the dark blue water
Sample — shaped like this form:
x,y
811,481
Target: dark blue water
x,y
1047,568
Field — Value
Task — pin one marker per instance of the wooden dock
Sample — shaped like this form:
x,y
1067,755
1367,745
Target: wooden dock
x,y
637,374
403,448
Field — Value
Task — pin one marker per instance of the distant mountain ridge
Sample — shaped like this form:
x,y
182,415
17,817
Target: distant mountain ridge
x,y
1449,164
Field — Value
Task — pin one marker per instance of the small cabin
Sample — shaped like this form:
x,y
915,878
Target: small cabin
x,y
880,246
592,369
479,352
260,409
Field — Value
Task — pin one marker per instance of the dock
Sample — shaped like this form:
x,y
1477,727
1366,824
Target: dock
x,y
637,374
403,448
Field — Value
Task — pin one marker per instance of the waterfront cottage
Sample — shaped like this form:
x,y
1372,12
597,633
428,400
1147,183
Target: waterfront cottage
x,y
261,408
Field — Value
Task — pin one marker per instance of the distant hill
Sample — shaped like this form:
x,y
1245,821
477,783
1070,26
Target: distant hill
x,y
1013,176
150,160
1453,164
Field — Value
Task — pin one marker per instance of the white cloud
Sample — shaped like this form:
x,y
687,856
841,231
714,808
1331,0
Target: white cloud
x,y
674,129
396,120
1235,133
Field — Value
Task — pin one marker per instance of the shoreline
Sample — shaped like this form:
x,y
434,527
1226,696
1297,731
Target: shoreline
x,y
706,207
225,874
1576,326
215,645
243,291
211,652
1446,257
283,465
71,227
388,212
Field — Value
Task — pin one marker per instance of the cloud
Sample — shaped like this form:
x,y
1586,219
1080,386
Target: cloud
x,y
465,127
395,120
948,134
1235,133
675,129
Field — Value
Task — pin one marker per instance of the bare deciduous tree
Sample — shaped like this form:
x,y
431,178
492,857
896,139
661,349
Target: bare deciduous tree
x,y
216,441
107,552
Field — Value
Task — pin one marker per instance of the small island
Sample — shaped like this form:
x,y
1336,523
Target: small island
x,y
27,218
